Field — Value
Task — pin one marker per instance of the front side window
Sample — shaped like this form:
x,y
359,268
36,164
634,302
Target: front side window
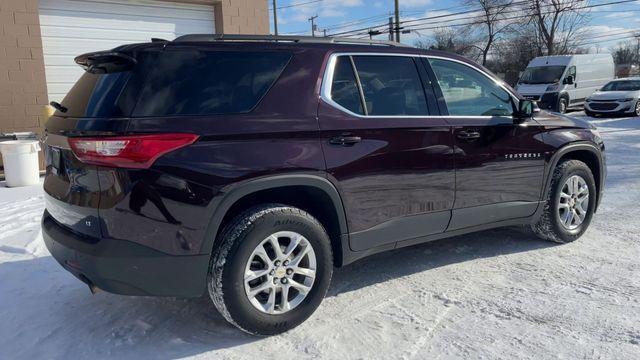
x,y
572,72
391,85
467,92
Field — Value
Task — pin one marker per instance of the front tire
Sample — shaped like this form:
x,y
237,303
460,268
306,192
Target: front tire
x,y
563,104
570,203
271,269
636,110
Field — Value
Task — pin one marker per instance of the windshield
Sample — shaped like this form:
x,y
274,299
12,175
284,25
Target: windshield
x,y
627,85
542,75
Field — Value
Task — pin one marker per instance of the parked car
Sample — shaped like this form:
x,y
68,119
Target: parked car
x,y
621,96
563,82
247,167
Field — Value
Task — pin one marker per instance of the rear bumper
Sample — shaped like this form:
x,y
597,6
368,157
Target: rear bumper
x,y
123,267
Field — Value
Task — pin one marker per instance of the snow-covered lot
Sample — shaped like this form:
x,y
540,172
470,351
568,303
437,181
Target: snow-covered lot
x,y
497,294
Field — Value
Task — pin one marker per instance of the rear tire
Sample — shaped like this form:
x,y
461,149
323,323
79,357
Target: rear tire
x,y
566,214
636,111
246,250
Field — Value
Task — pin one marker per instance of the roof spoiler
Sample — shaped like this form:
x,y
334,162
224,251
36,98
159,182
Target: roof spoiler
x,y
104,62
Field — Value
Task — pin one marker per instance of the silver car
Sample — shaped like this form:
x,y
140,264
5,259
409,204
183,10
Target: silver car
x,y
620,96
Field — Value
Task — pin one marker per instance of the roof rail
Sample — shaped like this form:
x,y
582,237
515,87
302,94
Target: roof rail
x,y
288,38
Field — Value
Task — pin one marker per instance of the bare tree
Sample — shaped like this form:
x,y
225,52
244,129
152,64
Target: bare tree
x,y
493,22
558,23
513,53
450,40
625,53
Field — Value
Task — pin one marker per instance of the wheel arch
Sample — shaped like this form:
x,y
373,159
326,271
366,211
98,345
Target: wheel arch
x,y
586,152
312,193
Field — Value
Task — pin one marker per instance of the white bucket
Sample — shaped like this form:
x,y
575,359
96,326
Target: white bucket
x,y
20,159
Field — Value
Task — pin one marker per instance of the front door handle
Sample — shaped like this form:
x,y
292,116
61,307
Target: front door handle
x,y
345,140
468,135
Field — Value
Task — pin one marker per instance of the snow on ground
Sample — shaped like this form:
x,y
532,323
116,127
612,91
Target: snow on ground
x,y
496,294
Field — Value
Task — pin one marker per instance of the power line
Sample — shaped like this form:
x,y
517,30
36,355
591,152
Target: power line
x,y
356,21
522,16
434,17
297,4
606,41
544,13
402,12
422,20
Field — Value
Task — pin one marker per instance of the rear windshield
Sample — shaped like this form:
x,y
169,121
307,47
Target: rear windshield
x,y
178,82
106,95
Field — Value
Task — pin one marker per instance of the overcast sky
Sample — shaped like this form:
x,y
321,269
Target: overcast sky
x,y
344,15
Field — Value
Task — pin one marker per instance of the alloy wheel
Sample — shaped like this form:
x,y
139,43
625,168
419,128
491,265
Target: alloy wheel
x,y
637,112
280,272
573,203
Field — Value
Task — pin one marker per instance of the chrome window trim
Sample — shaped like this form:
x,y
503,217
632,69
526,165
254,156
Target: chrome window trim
x,y
327,80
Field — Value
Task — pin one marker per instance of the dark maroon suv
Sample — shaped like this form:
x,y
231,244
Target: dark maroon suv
x,y
246,168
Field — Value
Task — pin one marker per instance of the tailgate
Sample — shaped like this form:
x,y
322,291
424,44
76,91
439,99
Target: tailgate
x,y
72,189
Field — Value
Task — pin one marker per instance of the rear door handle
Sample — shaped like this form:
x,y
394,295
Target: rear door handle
x,y
468,135
345,140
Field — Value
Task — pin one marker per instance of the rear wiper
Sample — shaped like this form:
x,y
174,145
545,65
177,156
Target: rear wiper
x,y
58,107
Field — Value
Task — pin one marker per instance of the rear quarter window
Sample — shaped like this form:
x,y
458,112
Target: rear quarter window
x,y
202,82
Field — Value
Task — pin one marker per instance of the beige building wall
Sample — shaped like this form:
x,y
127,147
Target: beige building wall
x,y
23,90
242,17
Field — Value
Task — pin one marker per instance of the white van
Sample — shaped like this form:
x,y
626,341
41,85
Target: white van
x,y
561,82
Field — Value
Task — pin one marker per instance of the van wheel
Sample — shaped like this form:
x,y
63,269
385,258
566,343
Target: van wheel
x,y
569,205
562,105
271,270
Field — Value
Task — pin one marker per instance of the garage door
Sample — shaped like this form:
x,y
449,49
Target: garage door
x,y
73,27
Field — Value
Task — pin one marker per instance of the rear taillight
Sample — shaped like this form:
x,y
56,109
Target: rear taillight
x,y
137,151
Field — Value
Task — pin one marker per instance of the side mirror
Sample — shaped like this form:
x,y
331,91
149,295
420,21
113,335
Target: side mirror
x,y
568,80
526,109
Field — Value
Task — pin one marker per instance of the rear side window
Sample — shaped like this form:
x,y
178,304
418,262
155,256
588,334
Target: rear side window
x,y
391,85
344,89
195,82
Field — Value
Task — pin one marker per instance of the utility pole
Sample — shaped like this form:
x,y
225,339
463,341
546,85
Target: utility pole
x,y
275,18
390,28
313,25
397,29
